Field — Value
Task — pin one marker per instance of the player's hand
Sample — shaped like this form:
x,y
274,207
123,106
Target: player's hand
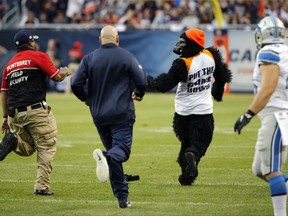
x,y
5,127
66,71
243,120
135,97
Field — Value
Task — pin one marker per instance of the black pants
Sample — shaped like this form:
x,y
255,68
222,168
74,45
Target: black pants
x,y
195,133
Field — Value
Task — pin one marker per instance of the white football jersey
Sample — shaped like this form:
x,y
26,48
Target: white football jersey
x,y
275,54
194,95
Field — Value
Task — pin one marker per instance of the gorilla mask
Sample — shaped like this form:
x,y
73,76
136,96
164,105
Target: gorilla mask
x,y
186,47
178,48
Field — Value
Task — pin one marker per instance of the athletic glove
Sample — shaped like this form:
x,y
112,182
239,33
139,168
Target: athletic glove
x,y
243,120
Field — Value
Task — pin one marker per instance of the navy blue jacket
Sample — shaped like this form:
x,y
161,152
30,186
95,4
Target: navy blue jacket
x,y
112,74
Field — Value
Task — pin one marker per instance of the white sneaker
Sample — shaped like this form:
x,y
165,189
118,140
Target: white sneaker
x,y
102,169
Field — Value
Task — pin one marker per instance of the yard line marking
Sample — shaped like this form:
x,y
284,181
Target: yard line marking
x,y
29,181
157,130
126,166
133,202
147,182
221,130
69,143
231,130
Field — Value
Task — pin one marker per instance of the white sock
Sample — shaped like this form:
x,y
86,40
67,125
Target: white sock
x,y
279,204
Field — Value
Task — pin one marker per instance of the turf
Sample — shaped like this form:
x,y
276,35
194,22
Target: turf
x,y
225,185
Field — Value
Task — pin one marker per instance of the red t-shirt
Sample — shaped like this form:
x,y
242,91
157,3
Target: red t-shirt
x,y
24,77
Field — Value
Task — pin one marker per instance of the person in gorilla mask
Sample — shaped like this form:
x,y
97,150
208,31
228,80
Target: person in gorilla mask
x,y
201,75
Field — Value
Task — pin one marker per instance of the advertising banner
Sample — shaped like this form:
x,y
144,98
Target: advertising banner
x,y
154,49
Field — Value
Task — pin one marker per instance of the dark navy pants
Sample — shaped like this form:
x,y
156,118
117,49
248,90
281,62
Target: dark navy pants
x,y
117,139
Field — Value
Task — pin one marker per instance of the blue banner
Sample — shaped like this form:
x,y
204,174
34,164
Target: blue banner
x,y
153,49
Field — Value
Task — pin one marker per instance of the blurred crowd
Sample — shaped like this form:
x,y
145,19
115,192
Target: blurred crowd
x,y
143,14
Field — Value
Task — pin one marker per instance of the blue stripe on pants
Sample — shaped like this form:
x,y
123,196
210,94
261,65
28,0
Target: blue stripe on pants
x,y
276,151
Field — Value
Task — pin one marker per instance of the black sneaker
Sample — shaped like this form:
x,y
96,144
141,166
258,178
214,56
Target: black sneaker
x,y
185,182
125,204
8,144
130,178
45,192
191,171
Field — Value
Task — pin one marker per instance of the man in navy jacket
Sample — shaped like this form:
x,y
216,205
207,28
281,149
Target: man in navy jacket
x,y
114,79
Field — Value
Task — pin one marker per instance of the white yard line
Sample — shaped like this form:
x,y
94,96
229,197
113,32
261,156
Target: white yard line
x,y
133,202
147,182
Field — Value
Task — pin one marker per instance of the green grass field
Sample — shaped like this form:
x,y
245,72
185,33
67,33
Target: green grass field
x,y
225,185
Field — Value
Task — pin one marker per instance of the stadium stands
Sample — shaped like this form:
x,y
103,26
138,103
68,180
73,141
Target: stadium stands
x,y
142,14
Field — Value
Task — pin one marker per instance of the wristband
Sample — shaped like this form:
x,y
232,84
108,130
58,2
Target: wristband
x,y
250,112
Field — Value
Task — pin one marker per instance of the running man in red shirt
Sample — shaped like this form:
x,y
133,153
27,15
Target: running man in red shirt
x,y
28,122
